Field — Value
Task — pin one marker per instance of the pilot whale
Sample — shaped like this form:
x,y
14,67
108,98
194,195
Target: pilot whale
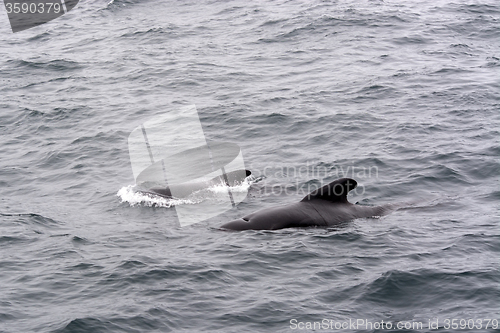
x,y
185,189
324,207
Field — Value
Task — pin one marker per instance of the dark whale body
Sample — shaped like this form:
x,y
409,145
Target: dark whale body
x,y
324,207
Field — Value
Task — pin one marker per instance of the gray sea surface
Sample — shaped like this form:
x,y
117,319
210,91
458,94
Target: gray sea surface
x,y
402,96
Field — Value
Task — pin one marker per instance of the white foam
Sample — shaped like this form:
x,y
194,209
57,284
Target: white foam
x,y
238,188
133,198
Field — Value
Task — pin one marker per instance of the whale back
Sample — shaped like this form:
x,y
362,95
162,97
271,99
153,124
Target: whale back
x,y
335,192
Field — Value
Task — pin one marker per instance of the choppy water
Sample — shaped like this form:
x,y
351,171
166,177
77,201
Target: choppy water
x,y
310,91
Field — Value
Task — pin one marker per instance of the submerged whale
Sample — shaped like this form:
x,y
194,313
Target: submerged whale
x,y
185,189
324,207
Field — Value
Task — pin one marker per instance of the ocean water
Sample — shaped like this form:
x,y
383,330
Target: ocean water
x,y
402,96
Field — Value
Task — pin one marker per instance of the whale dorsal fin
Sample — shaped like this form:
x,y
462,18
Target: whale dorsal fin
x,y
336,191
